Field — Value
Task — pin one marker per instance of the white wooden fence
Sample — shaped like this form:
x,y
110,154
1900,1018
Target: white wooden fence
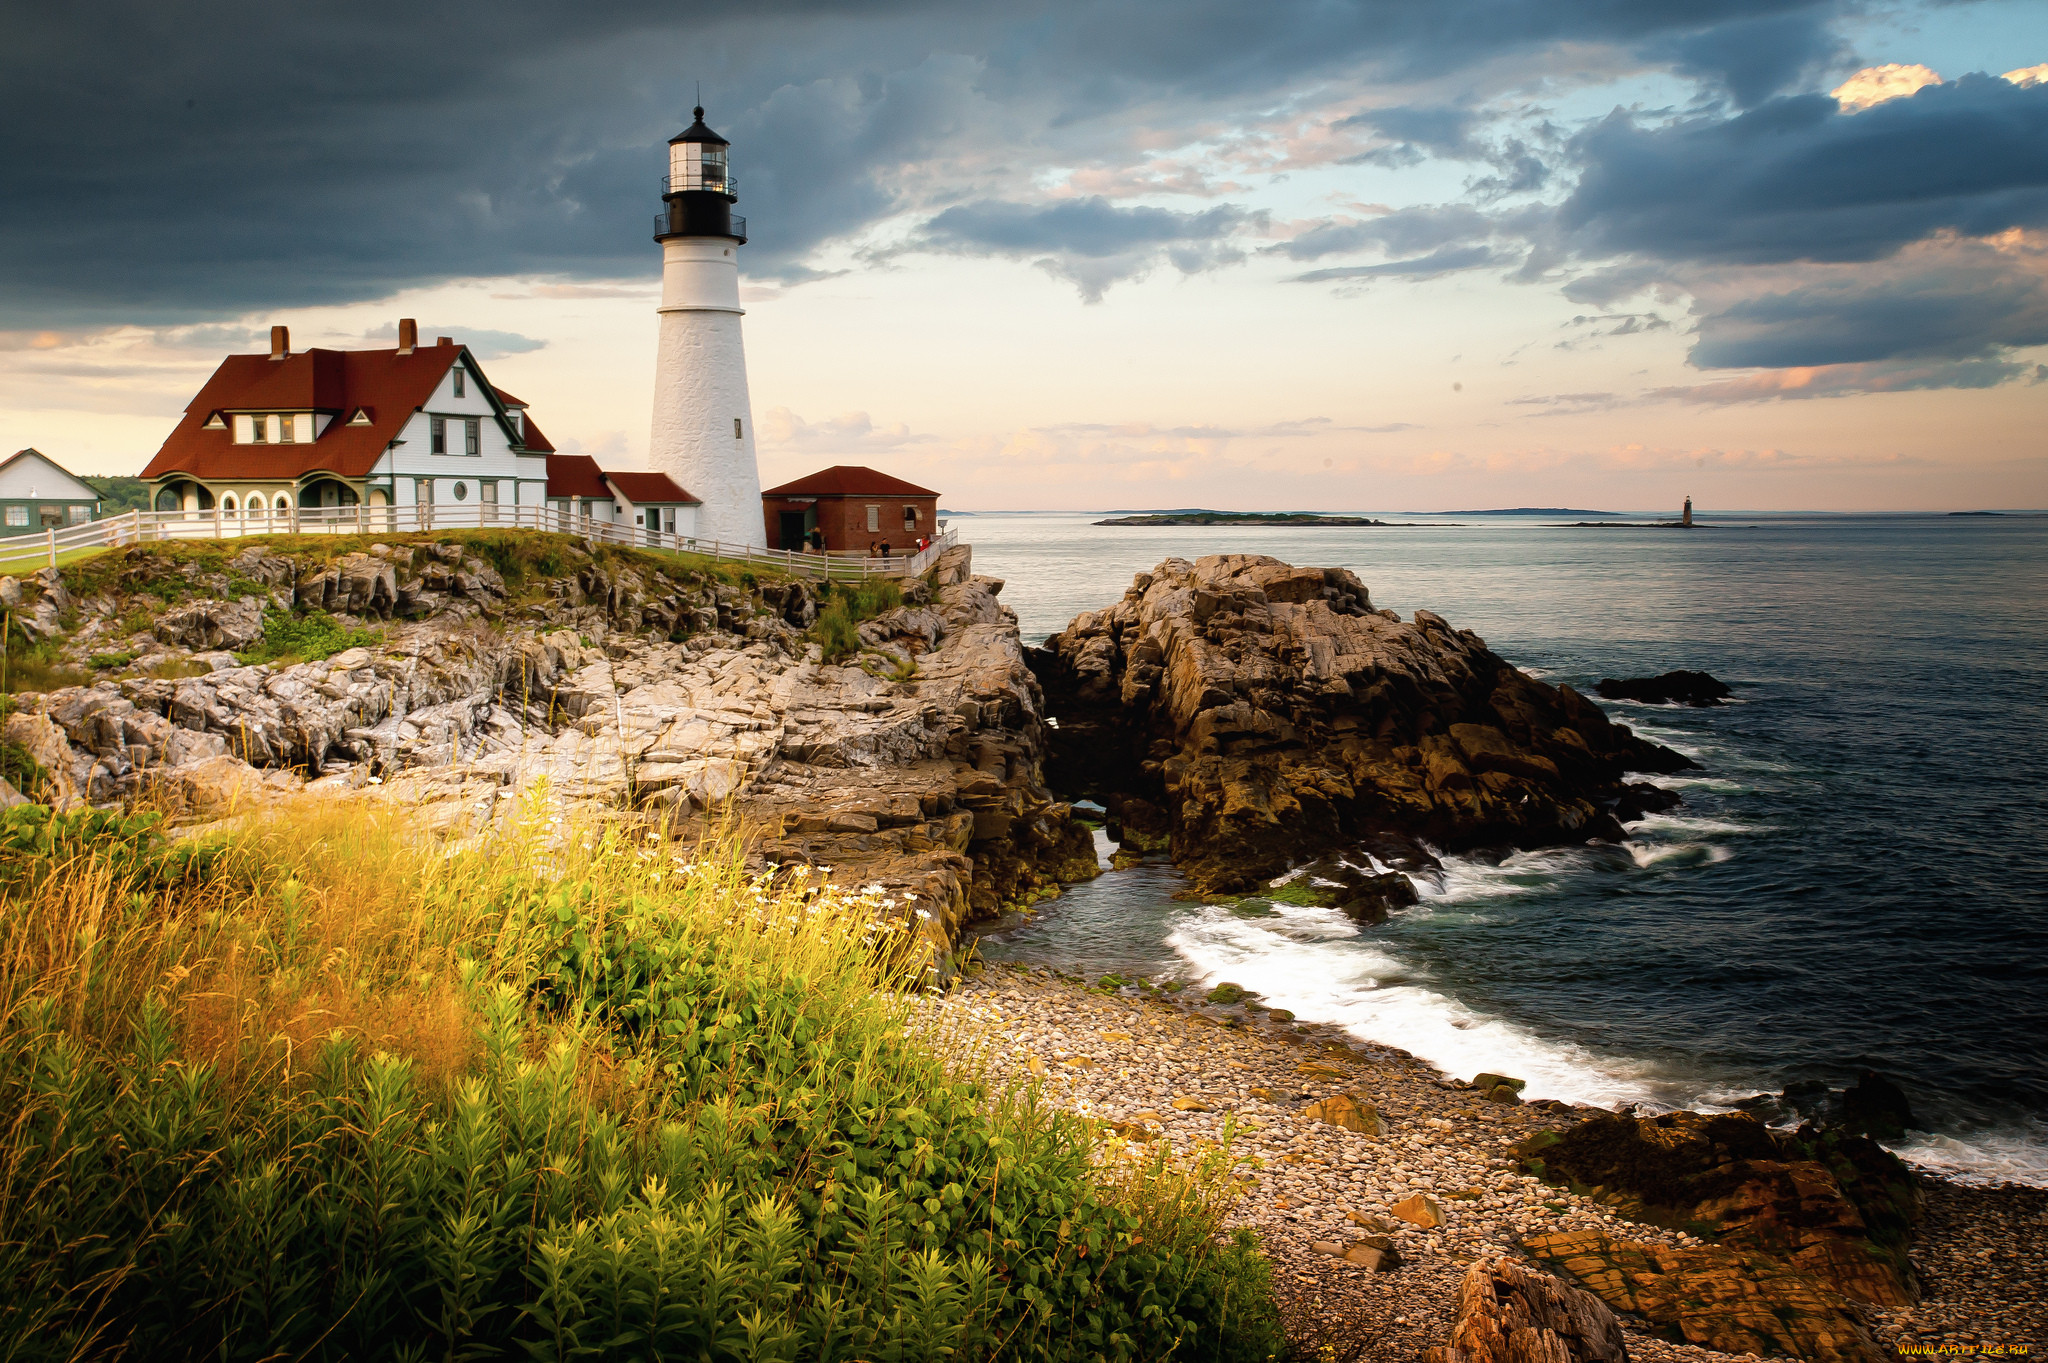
x,y
26,553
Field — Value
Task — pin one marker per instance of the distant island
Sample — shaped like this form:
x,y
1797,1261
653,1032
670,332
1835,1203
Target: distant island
x,y
1240,518
1520,511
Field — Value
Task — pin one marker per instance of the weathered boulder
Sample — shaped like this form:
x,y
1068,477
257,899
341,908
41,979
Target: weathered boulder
x,y
1698,689
1729,1300
1269,714
1837,1207
1499,1088
1343,1110
1511,1313
212,624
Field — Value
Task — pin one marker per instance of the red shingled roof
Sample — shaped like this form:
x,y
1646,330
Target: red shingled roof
x,y
849,480
641,488
576,475
389,386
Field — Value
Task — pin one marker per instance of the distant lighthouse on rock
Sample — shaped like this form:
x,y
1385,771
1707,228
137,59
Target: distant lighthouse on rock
x,y
703,433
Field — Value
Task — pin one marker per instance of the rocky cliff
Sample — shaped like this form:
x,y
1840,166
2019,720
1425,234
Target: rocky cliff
x,y
1251,714
623,679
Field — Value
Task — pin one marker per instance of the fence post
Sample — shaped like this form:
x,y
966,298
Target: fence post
x,y
53,546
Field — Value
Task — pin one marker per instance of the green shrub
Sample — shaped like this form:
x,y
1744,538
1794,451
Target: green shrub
x,y
690,1116
305,639
843,606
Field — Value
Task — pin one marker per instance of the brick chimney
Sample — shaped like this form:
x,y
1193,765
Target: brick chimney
x,y
280,343
408,335
444,340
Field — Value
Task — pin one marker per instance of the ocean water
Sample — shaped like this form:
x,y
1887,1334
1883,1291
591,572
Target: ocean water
x,y
1858,877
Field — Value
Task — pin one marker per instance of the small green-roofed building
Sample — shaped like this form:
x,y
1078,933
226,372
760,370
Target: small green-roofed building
x,y
37,494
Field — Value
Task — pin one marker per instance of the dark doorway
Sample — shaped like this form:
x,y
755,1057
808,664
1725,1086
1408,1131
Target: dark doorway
x,y
791,533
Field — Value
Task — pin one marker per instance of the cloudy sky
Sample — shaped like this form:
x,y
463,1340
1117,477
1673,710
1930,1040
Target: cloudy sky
x,y
1306,253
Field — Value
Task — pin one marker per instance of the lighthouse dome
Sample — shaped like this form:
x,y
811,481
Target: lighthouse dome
x,y
697,160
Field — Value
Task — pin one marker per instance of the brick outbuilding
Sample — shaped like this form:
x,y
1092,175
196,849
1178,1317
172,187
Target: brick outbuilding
x,y
853,507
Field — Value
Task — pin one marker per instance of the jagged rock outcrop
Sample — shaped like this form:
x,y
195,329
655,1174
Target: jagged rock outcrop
x,y
1511,1313
917,765
1728,1300
1834,1206
1252,713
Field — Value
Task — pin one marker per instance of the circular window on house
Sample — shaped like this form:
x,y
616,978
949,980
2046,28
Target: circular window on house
x,y
461,491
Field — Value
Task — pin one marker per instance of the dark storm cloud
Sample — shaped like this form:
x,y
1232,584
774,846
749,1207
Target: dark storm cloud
x,y
1415,132
1091,242
1797,179
1951,309
166,162
1843,217
1083,227
1401,231
1757,57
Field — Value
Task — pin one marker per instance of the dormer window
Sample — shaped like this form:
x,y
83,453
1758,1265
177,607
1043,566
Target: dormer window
x,y
361,418
273,428
215,423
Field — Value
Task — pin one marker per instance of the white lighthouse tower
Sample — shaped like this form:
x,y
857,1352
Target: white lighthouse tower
x,y
703,434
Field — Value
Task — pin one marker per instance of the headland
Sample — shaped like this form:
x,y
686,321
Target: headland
x,y
1253,720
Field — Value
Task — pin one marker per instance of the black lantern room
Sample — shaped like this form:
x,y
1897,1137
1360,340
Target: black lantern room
x,y
700,189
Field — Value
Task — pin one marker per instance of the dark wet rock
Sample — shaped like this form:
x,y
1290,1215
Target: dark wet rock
x,y
1366,896
1270,714
1500,1088
1698,689
1874,1106
1639,799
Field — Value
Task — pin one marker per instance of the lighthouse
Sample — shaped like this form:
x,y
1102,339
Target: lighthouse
x,y
703,432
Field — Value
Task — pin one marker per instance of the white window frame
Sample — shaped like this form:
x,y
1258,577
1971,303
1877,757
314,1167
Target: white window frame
x,y
460,390
874,520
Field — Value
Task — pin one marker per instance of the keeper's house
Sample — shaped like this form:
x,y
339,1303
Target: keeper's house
x,y
853,507
37,494
336,428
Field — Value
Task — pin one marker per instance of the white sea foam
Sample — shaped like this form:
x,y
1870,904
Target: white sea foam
x,y
1694,825
1314,962
1651,854
1716,784
2008,1156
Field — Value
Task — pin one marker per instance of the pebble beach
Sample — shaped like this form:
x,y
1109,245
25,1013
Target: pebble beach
x,y
1437,1185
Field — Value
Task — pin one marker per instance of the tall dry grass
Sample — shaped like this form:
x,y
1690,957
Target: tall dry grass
x,y
320,1086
